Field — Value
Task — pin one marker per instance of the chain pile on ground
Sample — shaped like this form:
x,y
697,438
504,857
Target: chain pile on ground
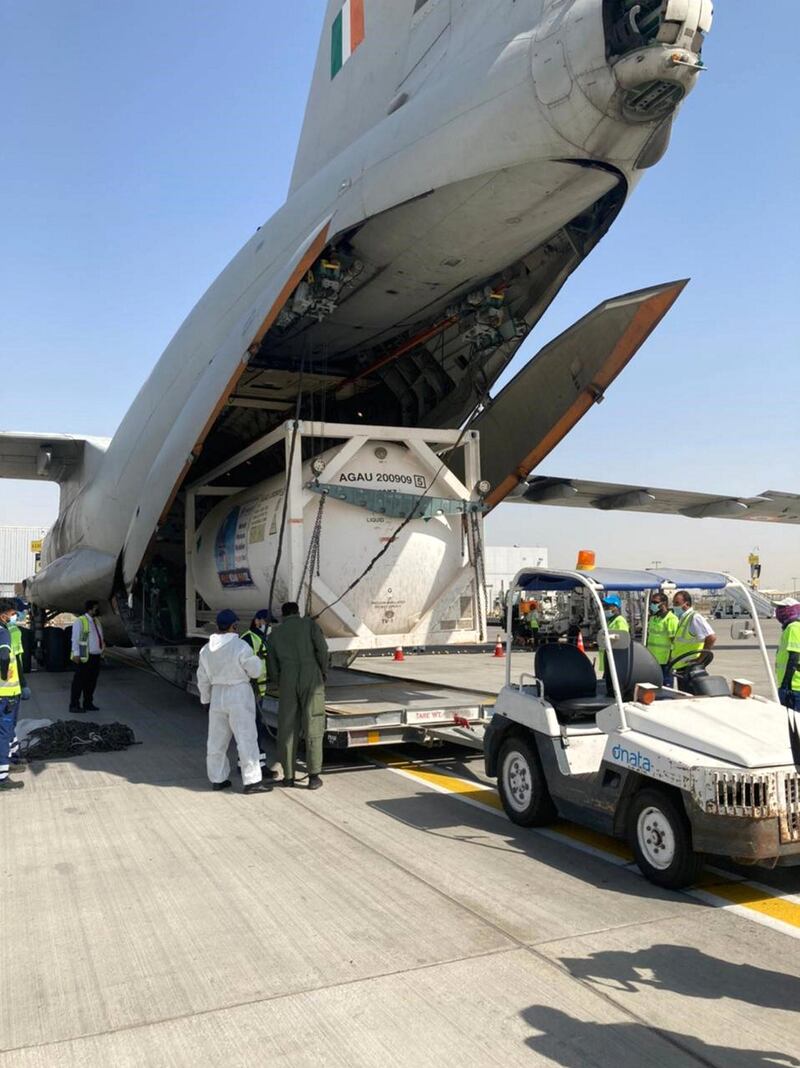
x,y
68,738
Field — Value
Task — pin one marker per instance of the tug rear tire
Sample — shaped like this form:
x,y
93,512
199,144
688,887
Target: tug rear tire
x,y
522,785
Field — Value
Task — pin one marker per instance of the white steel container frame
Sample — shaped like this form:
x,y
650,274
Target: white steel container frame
x,y
421,441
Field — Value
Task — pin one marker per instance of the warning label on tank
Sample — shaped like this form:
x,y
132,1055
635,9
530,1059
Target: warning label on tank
x,y
230,549
258,523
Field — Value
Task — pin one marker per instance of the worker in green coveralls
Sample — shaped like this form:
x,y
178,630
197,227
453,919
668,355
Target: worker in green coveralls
x,y
297,659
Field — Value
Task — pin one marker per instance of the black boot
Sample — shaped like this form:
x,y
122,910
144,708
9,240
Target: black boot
x,y
314,782
221,785
258,788
91,707
75,710
10,784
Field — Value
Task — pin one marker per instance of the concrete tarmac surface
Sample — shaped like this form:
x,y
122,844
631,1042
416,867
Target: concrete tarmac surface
x,y
394,917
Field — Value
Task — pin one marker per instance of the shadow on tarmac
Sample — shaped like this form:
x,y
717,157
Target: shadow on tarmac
x,y
433,814
573,1043
690,972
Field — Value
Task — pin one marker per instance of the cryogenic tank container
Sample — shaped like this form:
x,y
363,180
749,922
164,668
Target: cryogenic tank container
x,y
237,546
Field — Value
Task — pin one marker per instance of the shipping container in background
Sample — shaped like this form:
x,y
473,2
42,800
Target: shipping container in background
x,y
18,555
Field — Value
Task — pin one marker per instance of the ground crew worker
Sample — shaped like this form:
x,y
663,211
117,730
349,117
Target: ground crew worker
x,y
297,654
612,608
88,646
227,666
10,691
694,633
787,661
256,638
661,628
17,762
532,620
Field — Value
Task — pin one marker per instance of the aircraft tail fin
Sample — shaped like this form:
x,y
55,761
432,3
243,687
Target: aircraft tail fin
x,y
364,53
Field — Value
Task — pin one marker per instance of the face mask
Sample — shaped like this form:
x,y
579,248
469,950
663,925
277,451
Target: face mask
x,y
609,616
679,612
13,619
655,609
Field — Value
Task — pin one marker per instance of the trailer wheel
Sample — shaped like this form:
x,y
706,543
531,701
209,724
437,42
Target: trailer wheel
x,y
523,788
661,840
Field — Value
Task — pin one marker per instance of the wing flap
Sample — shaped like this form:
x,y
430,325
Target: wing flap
x,y
772,506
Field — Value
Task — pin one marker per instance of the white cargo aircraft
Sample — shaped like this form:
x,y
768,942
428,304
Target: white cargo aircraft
x,y
459,159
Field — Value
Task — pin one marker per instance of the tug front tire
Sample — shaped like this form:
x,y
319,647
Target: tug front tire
x,y
661,839
522,785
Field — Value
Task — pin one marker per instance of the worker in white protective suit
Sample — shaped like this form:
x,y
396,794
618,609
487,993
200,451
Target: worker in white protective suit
x,y
227,666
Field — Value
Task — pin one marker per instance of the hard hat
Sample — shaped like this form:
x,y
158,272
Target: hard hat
x,y
263,613
226,618
612,599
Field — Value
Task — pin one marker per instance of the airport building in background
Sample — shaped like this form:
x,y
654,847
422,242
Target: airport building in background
x,y
19,555
503,562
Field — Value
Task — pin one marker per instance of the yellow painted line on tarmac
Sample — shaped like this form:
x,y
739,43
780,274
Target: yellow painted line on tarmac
x,y
451,784
594,839
755,898
753,902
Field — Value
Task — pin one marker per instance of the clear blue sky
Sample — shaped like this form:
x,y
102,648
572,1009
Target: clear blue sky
x,y
144,143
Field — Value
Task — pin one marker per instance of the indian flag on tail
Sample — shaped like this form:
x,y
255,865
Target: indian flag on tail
x,y
347,33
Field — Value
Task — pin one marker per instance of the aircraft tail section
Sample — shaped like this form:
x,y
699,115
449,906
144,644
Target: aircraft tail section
x,y
363,53
46,457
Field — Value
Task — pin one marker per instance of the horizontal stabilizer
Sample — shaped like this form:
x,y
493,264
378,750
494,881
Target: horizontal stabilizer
x,y
44,457
771,506
539,407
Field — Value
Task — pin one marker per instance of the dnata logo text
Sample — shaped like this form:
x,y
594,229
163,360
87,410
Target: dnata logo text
x,y
632,759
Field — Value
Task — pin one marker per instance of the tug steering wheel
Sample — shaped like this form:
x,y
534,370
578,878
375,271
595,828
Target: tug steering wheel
x,y
693,659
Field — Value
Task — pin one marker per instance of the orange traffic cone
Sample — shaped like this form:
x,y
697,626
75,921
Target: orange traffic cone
x,y
398,654
579,642
499,650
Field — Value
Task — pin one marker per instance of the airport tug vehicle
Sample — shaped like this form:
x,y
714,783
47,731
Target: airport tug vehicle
x,y
703,767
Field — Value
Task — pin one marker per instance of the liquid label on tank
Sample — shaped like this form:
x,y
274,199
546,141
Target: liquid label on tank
x,y
230,549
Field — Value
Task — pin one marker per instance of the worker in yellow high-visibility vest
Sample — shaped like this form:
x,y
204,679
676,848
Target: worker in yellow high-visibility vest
x,y
694,634
10,691
787,660
256,638
18,763
88,646
615,621
662,627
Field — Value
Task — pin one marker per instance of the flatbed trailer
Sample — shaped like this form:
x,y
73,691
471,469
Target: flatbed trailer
x,y
362,708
